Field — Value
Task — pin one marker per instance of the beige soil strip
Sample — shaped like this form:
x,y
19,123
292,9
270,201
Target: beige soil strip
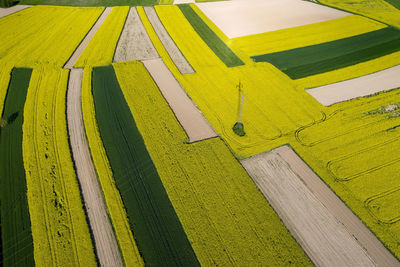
x,y
104,238
244,17
86,40
326,229
177,2
362,86
134,43
8,11
173,51
192,120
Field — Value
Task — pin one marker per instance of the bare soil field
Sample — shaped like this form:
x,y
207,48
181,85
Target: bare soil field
x,y
86,40
192,120
240,17
362,86
329,232
8,11
134,43
105,242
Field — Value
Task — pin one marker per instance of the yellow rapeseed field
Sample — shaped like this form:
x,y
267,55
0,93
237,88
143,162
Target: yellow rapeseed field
x,y
59,227
4,81
100,50
272,107
46,34
225,217
112,197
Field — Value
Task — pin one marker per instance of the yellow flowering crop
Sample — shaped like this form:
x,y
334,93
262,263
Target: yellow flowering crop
x,y
59,227
45,34
5,73
100,50
225,217
112,197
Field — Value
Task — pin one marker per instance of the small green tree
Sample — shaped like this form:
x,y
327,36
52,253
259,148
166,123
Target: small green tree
x,y
238,128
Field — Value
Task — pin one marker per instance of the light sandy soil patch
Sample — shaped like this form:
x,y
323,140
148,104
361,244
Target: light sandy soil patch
x,y
8,11
244,17
177,2
104,238
134,43
169,45
86,40
189,116
361,86
326,229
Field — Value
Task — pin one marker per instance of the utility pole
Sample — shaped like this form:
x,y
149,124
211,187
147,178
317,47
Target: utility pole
x,y
238,128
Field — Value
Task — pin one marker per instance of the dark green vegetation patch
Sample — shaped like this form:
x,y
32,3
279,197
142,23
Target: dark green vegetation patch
x,y
220,49
16,235
305,61
154,223
90,2
395,3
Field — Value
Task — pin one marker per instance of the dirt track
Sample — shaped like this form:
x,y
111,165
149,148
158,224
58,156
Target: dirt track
x,y
192,120
105,241
326,229
8,11
361,86
86,40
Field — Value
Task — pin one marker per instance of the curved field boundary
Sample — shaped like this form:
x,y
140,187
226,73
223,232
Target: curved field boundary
x,y
173,51
385,206
310,60
104,239
112,196
155,225
16,233
60,230
11,10
77,53
189,116
134,43
221,50
366,85
329,232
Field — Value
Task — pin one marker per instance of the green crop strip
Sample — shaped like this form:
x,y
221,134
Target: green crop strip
x,y
90,3
395,3
155,225
17,243
305,61
220,49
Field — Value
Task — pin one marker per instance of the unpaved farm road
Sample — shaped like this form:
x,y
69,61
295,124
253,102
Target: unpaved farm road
x,y
323,225
8,11
105,242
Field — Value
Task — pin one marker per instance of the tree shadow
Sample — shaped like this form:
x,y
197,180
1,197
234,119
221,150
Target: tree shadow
x,y
12,117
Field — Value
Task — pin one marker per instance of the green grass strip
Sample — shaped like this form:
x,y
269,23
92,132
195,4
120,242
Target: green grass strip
x,y
395,3
156,227
16,235
220,49
305,61
90,2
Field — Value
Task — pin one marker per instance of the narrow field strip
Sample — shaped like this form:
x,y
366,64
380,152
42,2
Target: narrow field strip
x,y
173,51
45,35
99,52
189,116
326,241
5,76
155,225
60,231
221,50
362,86
239,18
11,10
112,196
226,219
310,60
16,233
104,238
86,40
306,35
134,43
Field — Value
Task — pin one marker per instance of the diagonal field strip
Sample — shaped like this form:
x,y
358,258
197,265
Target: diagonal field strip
x,y
105,241
173,51
327,229
8,11
86,40
189,116
362,86
134,43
